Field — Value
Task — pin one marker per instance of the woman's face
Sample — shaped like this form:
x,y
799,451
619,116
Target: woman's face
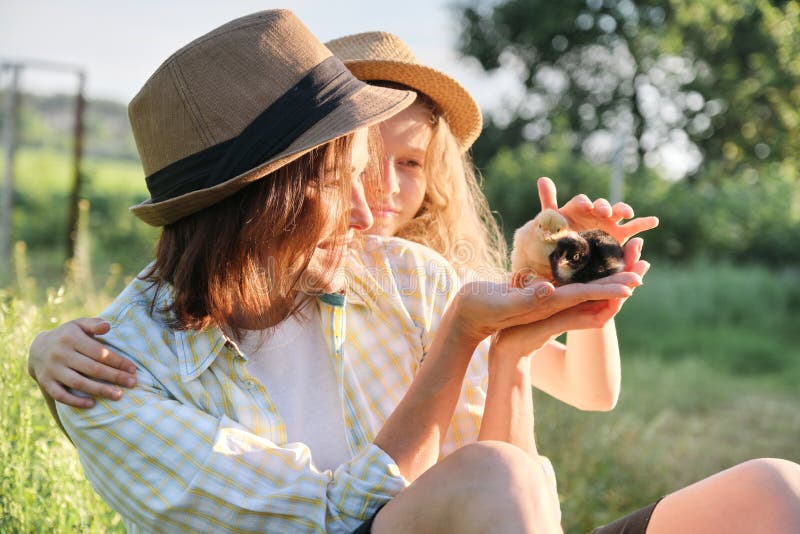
x,y
406,137
333,247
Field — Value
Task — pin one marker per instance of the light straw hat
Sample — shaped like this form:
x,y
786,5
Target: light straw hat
x,y
240,102
381,56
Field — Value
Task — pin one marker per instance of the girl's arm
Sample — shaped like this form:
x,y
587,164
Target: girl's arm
x,y
68,360
585,372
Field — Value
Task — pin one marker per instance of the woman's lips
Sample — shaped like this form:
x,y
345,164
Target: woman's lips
x,y
342,243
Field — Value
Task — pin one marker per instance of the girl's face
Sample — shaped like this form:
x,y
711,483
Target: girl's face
x,y
332,247
406,137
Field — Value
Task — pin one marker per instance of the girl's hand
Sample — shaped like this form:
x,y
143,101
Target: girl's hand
x,y
69,357
521,340
583,214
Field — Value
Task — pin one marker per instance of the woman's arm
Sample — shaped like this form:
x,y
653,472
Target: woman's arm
x,y
414,432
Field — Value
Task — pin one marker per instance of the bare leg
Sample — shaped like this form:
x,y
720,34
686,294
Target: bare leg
x,y
488,486
759,496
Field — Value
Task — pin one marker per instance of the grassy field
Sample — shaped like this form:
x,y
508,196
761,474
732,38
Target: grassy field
x,y
686,411
711,363
40,213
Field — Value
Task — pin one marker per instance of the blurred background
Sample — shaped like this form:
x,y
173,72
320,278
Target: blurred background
x,y
688,110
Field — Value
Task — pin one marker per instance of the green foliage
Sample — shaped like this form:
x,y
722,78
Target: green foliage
x,y
751,216
510,181
42,488
48,121
110,187
726,75
738,320
675,424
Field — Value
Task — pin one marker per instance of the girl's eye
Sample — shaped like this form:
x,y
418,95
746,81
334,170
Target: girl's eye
x,y
411,163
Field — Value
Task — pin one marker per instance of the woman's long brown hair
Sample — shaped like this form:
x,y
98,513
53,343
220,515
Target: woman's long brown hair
x,y
238,263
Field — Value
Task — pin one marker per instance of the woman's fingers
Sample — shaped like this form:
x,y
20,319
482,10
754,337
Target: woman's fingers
x,y
485,307
68,357
621,211
577,208
523,339
93,370
632,251
527,309
93,326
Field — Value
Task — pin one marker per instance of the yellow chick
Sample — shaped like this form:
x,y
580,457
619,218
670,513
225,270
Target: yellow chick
x,y
534,242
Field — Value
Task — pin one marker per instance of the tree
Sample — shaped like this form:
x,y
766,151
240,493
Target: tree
x,y
672,80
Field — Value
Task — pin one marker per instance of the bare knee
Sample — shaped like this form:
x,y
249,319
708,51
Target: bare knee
x,y
501,483
774,474
478,488
498,463
778,485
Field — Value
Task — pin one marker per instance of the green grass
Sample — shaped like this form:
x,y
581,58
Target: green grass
x,y
676,423
683,414
39,218
42,488
736,319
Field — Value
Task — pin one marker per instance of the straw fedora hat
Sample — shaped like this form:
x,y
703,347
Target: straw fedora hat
x,y
238,103
382,56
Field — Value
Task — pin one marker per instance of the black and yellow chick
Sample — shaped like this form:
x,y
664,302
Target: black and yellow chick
x,y
533,243
585,256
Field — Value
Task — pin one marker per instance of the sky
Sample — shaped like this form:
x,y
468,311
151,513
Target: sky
x,y
119,44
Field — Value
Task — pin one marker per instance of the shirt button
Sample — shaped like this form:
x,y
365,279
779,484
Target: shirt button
x,y
250,384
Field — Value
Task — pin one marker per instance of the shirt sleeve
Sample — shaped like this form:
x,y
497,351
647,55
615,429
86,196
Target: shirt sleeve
x,y
436,284
168,466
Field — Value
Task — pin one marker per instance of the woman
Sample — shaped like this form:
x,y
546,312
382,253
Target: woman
x,y
251,138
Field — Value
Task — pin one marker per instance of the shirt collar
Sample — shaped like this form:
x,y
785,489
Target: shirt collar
x,y
197,350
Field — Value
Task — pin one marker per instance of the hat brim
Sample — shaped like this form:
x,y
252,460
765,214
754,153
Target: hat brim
x,y
367,106
456,103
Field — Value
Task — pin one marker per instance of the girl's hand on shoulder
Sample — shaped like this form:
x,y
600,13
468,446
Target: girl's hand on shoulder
x,y
68,357
583,214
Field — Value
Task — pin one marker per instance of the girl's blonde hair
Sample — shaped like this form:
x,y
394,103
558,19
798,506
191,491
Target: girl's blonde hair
x,y
454,218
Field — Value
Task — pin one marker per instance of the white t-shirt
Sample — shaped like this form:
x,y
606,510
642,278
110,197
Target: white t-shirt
x,y
286,360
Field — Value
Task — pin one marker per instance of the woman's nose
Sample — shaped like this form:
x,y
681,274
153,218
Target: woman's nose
x,y
360,214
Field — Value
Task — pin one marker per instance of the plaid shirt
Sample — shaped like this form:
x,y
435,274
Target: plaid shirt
x,y
199,446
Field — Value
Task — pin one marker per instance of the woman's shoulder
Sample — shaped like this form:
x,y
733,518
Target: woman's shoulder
x,y
142,330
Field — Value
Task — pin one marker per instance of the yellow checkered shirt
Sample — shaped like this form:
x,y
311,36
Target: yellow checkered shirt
x,y
199,446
